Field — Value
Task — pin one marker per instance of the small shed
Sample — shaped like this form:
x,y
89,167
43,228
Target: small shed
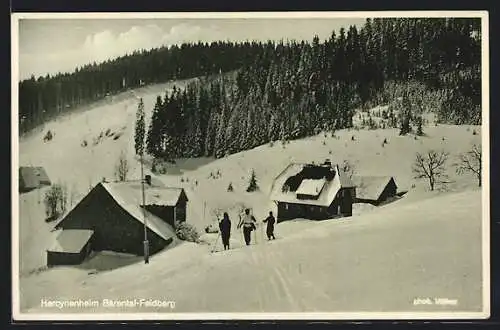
x,y
31,178
375,190
71,247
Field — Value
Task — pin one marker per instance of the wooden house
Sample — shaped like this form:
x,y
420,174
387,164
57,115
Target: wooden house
x,y
313,192
115,213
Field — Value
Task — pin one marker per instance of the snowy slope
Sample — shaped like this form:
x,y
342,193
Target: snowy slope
x,y
364,244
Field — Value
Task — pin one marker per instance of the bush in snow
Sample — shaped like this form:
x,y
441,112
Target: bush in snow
x,y
55,201
117,135
230,187
158,166
187,232
121,167
211,229
48,136
252,185
84,143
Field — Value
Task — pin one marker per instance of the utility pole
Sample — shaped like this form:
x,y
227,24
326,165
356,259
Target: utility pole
x,y
146,243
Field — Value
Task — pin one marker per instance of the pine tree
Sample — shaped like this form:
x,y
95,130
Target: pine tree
x,y
140,129
252,185
153,137
420,131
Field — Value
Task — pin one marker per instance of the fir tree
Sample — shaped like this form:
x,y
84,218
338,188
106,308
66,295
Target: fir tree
x,y
420,131
154,131
140,129
252,185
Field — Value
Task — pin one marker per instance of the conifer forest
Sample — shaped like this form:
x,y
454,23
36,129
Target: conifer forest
x,y
250,93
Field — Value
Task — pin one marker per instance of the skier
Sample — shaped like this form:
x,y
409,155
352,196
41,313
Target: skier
x,y
270,220
225,230
248,223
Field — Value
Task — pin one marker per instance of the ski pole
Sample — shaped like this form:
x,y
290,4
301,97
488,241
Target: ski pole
x,y
262,231
215,244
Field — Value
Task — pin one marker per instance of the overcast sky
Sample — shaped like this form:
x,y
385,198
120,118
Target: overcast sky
x,y
60,45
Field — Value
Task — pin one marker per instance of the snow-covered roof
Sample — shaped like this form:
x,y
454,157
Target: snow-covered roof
x,y
326,196
130,199
154,194
71,240
28,177
371,187
311,187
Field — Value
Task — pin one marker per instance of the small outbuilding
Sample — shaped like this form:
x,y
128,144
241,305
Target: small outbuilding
x,y
71,247
31,178
375,190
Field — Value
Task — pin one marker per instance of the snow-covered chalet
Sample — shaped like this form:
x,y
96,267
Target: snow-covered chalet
x,y
313,192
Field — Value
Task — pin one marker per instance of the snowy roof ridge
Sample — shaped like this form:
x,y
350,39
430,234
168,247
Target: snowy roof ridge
x,y
133,206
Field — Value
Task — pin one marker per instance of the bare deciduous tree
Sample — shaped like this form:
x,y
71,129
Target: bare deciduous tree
x,y
470,162
55,201
122,167
64,197
431,166
348,168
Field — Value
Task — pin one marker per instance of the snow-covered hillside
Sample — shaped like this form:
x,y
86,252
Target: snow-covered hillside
x,y
377,260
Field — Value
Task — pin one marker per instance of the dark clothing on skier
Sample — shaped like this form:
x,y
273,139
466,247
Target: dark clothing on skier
x,y
270,220
225,230
248,223
247,231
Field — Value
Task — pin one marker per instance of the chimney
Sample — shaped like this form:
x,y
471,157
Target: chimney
x,y
147,178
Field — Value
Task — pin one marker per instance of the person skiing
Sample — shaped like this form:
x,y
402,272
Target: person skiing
x,y
248,223
270,220
225,230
